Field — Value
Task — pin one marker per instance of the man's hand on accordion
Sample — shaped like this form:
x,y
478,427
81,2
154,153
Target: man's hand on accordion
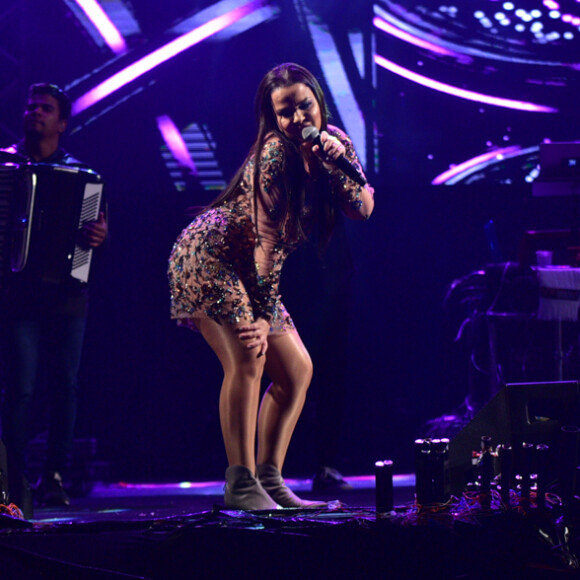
x,y
93,234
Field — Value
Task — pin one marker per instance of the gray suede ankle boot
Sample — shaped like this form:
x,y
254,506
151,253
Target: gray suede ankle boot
x,y
244,492
273,483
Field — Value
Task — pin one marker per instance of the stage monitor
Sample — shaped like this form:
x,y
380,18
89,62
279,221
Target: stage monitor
x,y
538,411
519,413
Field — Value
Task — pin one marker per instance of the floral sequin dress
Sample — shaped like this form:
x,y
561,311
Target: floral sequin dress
x,y
220,268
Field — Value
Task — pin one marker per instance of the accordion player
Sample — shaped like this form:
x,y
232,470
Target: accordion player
x,y
42,208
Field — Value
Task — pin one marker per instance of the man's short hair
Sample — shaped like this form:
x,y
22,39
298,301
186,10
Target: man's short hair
x,y
64,104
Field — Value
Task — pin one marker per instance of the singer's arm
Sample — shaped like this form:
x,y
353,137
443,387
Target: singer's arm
x,y
263,284
356,201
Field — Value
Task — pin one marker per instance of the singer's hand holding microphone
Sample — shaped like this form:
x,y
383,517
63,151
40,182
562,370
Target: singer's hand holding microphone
x,y
327,147
332,150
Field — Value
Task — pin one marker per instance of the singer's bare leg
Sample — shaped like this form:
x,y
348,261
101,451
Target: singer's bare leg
x,y
289,366
240,392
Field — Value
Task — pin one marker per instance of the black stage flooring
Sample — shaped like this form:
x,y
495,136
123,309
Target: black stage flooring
x,y
182,530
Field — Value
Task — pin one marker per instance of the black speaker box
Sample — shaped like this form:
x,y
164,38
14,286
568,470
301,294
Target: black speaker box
x,y
520,413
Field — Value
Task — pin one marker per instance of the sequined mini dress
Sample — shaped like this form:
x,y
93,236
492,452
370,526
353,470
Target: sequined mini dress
x,y
224,268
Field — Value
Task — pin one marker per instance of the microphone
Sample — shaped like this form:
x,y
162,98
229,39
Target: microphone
x,y
313,134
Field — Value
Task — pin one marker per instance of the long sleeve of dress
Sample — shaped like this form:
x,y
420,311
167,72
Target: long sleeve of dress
x,y
270,250
355,200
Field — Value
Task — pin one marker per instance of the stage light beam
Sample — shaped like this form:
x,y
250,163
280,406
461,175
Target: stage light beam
x,y
175,143
461,93
95,13
159,56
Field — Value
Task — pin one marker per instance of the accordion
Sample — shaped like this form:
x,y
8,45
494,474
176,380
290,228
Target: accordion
x,y
42,209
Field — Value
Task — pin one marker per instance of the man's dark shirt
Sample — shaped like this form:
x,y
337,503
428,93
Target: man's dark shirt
x,y
59,157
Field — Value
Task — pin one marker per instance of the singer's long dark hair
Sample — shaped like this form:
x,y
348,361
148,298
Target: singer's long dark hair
x,y
294,178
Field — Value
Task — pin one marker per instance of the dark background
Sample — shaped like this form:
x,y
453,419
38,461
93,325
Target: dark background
x,y
149,390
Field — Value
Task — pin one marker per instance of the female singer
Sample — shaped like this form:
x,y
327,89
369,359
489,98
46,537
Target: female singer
x,y
225,268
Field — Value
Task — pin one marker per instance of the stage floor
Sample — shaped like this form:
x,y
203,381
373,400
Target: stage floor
x,y
172,531
138,501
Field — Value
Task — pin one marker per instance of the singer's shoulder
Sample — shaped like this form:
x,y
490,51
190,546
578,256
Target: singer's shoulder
x,y
272,154
273,146
272,140
336,132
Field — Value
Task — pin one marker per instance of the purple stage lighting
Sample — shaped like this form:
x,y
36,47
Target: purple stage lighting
x,y
159,56
103,24
410,38
175,143
461,93
462,170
